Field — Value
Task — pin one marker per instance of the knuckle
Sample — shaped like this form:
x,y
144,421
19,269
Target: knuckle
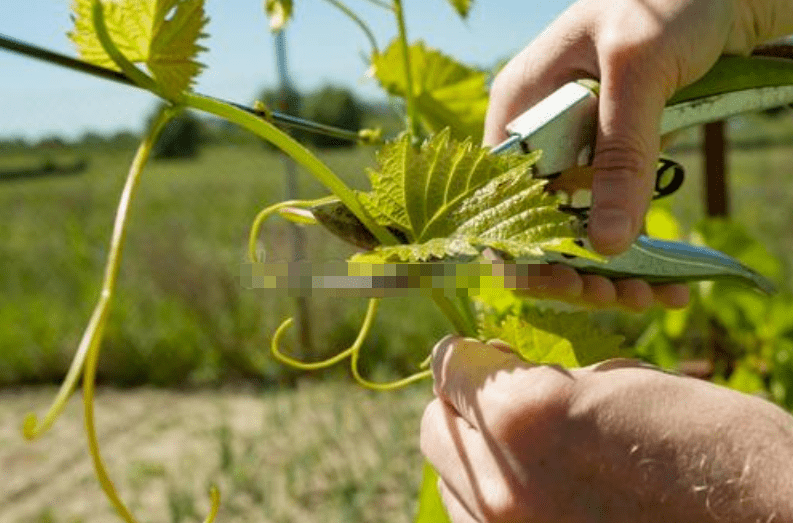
x,y
502,79
623,153
502,504
619,47
507,82
536,413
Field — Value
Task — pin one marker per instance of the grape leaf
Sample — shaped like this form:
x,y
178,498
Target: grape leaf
x,y
447,93
565,338
430,509
461,6
161,34
279,12
449,199
417,189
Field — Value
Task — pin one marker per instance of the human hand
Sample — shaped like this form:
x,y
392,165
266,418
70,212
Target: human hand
x,y
564,283
641,51
617,441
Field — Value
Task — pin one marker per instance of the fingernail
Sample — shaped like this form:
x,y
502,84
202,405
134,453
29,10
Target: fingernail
x,y
610,230
501,345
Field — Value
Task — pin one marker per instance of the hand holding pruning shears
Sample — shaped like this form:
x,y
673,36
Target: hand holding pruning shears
x,y
642,53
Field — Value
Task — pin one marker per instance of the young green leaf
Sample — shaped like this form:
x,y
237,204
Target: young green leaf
x,y
461,6
279,12
454,199
449,199
567,339
161,34
430,509
447,93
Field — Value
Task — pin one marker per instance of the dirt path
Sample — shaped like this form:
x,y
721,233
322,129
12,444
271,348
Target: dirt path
x,y
326,452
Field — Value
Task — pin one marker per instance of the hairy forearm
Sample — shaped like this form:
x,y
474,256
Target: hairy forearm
x,y
688,451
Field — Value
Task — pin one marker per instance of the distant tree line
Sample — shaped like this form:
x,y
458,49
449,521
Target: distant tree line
x,y
330,105
184,136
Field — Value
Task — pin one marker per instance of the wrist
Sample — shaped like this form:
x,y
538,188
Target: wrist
x,y
662,447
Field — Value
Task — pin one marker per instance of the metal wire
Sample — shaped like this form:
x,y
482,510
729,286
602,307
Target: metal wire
x,y
32,51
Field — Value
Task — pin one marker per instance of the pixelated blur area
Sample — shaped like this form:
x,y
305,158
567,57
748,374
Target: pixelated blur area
x,y
348,279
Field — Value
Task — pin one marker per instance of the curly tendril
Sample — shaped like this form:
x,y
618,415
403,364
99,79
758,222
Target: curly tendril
x,y
269,211
353,352
302,365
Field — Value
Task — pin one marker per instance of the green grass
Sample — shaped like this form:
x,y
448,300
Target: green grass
x,y
181,316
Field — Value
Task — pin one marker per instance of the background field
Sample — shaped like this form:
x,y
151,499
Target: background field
x,y
275,440
319,453
181,317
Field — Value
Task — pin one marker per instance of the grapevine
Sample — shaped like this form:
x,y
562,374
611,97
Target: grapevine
x,y
435,195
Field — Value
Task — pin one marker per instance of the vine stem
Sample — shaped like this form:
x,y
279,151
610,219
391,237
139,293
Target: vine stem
x,y
93,332
296,151
464,324
259,126
359,22
410,101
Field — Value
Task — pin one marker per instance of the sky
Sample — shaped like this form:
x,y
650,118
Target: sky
x,y
39,100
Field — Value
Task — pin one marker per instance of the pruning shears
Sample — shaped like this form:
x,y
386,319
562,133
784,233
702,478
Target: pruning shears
x,y
563,126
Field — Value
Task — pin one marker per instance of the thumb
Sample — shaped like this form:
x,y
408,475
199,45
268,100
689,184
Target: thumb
x,y
626,152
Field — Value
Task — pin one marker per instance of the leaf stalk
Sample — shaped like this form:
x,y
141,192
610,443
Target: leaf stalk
x,y
357,20
296,151
410,99
128,68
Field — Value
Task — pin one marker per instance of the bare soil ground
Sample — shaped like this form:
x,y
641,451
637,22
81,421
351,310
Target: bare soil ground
x,y
324,452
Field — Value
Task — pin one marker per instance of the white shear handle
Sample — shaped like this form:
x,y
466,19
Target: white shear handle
x,y
564,125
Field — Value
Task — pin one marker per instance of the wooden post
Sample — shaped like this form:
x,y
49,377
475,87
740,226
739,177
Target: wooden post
x,y
714,148
717,204
296,235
